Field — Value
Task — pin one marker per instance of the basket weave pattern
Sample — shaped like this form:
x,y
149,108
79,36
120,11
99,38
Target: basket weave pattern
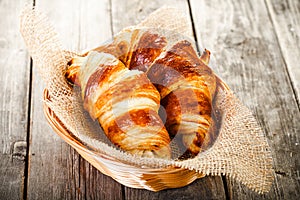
x,y
129,175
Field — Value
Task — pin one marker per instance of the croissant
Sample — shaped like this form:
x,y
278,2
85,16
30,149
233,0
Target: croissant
x,y
124,102
187,87
185,83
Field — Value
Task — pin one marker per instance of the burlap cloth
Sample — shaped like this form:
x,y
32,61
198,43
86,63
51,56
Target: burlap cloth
x,y
240,151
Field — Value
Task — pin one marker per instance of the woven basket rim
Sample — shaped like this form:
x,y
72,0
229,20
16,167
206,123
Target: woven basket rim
x,y
154,179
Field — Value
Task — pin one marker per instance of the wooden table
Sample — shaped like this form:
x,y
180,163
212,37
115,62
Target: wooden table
x,y
256,46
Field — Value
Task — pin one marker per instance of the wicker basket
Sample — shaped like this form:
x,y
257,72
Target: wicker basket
x,y
132,176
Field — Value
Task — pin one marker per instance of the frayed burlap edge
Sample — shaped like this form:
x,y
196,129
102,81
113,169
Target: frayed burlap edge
x,y
241,150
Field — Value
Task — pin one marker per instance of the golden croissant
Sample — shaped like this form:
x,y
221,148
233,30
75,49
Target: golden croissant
x,y
187,87
124,102
185,83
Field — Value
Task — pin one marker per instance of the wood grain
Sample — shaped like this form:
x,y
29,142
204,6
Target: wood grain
x,y
248,57
56,170
127,13
285,16
204,188
14,87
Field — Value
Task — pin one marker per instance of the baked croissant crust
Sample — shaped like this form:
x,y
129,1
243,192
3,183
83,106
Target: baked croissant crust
x,y
185,82
124,102
187,88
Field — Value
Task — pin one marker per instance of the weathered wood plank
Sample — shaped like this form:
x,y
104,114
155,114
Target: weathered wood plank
x,y
56,170
244,43
204,188
285,16
14,87
128,13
